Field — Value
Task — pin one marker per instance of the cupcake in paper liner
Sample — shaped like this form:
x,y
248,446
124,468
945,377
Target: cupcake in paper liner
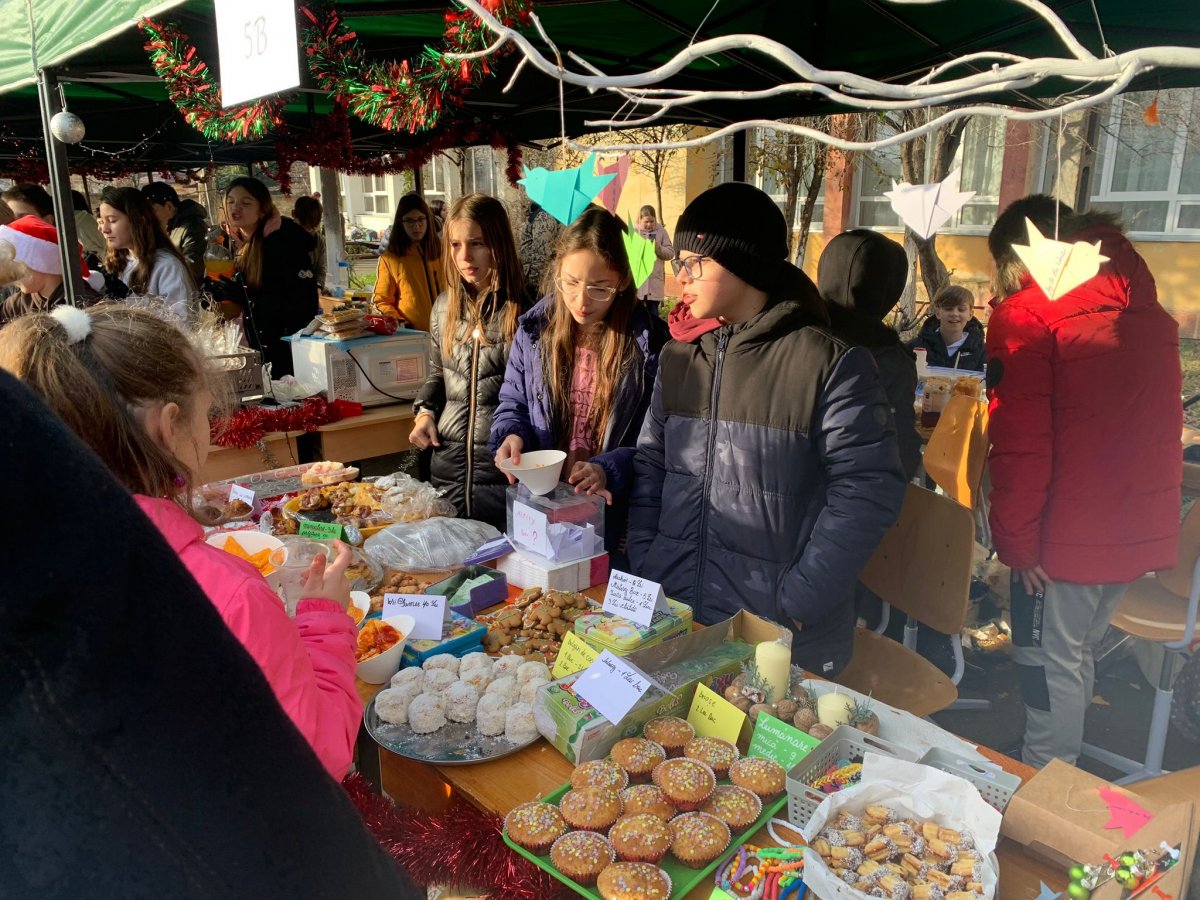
x,y
638,757
591,808
670,732
698,838
647,798
686,782
717,753
765,777
535,826
601,773
737,807
643,838
582,856
634,881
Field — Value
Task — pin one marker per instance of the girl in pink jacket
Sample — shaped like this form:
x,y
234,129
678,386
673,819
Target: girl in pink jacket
x,y
131,385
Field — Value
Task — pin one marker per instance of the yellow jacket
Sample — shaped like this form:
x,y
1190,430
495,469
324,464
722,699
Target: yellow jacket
x,y
406,286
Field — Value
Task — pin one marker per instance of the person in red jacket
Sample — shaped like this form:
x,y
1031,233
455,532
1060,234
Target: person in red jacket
x,y
1086,459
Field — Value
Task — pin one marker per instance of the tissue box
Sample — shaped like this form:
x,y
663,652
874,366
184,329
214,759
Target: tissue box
x,y
561,526
460,636
712,656
477,599
525,569
605,631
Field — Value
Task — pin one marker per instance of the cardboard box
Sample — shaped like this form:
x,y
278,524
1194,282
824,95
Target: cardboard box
x,y
712,656
525,569
1058,815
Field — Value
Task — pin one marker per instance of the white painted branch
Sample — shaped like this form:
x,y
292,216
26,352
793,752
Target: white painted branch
x,y
1051,17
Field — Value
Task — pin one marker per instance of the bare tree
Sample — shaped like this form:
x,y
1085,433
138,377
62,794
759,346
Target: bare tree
x,y
797,166
654,161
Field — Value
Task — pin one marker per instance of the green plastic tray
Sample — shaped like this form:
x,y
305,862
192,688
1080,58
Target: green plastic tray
x,y
683,879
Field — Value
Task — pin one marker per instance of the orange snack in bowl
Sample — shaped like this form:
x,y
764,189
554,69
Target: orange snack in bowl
x,y
355,613
260,560
376,637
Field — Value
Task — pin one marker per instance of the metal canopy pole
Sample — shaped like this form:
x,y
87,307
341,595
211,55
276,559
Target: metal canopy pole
x,y
60,190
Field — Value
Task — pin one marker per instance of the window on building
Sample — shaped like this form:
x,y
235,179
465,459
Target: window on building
x,y
980,161
433,179
481,177
874,174
1149,175
772,181
375,195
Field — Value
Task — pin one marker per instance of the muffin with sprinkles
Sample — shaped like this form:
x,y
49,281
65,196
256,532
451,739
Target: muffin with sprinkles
x,y
686,782
647,798
735,806
644,838
697,838
582,856
638,757
590,808
601,773
634,881
669,732
765,777
535,826
717,753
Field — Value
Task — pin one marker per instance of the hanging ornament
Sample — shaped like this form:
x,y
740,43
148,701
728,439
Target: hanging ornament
x,y
1150,114
67,127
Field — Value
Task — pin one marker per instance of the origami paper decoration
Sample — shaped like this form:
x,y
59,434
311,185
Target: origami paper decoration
x,y
927,207
641,255
565,193
1046,893
1058,267
1124,812
610,195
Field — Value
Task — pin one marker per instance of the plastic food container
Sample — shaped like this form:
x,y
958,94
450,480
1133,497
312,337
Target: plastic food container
x,y
460,637
604,631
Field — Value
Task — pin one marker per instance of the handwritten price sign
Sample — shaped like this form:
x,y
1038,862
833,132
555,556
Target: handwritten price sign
x,y
429,613
612,685
634,598
714,716
575,656
530,529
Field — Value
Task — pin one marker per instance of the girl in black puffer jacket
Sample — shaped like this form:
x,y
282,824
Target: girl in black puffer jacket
x,y
471,331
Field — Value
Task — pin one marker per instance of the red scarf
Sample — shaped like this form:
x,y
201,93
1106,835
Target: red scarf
x,y
686,327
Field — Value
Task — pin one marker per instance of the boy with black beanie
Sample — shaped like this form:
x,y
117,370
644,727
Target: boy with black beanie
x,y
767,469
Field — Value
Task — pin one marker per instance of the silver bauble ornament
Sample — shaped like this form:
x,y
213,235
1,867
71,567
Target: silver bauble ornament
x,y
67,127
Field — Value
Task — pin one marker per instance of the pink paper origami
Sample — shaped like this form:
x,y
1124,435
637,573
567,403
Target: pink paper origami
x,y
1124,812
612,193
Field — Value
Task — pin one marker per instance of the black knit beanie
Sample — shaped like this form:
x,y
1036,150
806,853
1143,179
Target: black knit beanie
x,y
741,228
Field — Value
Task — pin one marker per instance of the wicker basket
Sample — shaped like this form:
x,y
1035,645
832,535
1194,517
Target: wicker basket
x,y
243,371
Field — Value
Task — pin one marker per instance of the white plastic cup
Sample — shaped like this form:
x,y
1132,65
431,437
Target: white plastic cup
x,y
539,470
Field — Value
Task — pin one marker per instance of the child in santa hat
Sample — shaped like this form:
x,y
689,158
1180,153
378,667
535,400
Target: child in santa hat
x,y
38,272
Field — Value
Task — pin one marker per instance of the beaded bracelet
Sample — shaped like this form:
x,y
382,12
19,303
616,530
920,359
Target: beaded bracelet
x,y
776,873
839,779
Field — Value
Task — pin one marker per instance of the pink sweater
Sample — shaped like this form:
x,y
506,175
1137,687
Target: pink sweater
x,y
308,661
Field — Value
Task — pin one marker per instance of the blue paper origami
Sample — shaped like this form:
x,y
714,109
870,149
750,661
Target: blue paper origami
x,y
565,193
1047,893
641,255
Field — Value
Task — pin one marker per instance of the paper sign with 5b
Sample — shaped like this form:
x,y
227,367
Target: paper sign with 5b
x,y
429,612
635,599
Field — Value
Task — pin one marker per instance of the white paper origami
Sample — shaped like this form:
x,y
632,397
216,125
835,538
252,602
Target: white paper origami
x,y
927,207
1056,266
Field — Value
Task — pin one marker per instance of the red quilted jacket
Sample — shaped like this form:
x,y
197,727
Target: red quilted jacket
x,y
1085,424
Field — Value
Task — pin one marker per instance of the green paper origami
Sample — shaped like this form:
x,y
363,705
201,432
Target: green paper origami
x,y
641,255
565,193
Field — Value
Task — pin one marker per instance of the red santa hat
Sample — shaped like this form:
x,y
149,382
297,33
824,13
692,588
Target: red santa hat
x,y
36,245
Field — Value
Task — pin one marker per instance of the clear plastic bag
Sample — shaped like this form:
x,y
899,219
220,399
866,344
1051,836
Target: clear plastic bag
x,y
406,499
433,545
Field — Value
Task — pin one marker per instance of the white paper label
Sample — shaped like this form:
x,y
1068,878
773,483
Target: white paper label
x,y
530,529
634,598
257,48
612,685
429,612
237,492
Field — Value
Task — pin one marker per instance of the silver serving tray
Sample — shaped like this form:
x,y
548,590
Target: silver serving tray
x,y
454,744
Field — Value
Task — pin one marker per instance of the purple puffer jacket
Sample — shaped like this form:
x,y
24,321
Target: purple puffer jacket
x,y
524,408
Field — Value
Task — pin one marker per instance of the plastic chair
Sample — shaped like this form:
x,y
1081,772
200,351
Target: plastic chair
x,y
1160,608
958,449
923,568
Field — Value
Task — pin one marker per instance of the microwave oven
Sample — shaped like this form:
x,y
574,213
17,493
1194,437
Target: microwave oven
x,y
371,370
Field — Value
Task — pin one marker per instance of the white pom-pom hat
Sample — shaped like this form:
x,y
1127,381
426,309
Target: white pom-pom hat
x,y
36,244
75,322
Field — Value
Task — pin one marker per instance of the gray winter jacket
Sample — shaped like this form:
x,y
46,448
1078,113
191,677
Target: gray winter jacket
x,y
766,474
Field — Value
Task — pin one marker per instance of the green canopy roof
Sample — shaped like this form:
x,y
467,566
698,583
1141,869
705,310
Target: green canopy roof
x,y
111,85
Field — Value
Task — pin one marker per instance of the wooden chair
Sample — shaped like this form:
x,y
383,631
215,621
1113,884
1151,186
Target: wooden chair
x,y
922,568
1162,608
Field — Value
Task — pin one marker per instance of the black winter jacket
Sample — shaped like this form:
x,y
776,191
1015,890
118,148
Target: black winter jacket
x,y
970,355
189,232
462,391
766,474
286,300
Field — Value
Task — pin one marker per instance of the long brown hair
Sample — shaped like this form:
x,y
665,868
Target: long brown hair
x,y
131,357
507,281
250,257
597,231
146,234
399,241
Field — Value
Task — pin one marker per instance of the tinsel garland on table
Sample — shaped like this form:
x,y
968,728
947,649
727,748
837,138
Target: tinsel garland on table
x,y
408,95
249,424
460,847
192,89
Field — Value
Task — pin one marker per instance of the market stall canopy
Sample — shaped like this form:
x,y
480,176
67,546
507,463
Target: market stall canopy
x,y
111,85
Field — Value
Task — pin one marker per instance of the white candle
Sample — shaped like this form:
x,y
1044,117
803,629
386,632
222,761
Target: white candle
x,y
774,661
834,709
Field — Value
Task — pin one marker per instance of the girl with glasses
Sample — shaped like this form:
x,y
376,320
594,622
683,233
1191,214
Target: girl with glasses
x,y
582,366
471,330
409,279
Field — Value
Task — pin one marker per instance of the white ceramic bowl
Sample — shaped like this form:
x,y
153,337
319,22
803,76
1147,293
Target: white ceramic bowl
x,y
253,542
380,669
539,469
361,600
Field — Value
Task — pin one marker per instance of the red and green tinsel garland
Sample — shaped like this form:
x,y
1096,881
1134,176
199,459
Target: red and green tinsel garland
x,y
248,425
406,95
195,92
